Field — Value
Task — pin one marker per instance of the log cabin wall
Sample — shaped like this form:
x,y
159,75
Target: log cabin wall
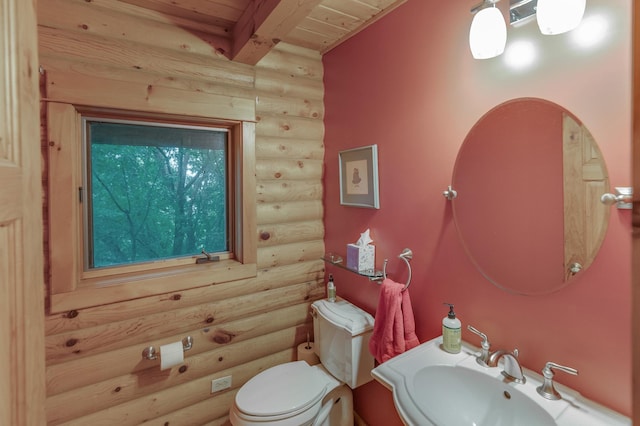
x,y
105,53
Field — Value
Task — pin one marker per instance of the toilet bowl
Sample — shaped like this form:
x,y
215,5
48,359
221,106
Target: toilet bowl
x,y
297,394
290,394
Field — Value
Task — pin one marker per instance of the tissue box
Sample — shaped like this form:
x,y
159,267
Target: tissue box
x,y
361,259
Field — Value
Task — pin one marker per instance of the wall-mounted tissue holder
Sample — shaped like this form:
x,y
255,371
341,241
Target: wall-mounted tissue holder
x,y
150,353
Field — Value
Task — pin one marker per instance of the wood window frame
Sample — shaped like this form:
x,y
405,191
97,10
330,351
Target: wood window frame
x,y
69,287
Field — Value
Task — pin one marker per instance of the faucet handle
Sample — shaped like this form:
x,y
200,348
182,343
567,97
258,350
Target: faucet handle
x,y
485,340
547,389
549,365
483,359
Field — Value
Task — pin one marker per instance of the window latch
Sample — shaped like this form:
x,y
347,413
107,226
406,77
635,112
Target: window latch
x,y
208,258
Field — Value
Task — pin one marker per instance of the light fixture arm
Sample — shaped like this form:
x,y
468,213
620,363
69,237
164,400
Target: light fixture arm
x,y
483,4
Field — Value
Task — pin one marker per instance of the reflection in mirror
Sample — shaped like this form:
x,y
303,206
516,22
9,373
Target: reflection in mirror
x,y
529,177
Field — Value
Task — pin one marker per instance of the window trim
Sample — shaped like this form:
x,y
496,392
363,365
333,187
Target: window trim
x,y
69,287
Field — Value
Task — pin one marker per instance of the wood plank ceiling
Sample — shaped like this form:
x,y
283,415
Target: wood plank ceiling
x,y
245,30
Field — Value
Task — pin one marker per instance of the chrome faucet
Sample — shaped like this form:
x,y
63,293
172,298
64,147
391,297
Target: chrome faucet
x,y
512,369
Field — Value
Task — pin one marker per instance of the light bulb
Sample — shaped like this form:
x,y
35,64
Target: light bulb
x,y
559,16
488,33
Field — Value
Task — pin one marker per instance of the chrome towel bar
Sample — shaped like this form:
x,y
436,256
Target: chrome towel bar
x,y
406,255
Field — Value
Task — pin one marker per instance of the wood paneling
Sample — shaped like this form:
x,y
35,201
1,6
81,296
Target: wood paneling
x,y
95,373
263,24
245,30
115,19
334,21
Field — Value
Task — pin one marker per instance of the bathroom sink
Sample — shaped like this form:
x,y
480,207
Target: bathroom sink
x,y
433,387
449,395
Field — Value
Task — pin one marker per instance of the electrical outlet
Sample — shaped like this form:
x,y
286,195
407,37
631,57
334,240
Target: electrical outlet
x,y
220,384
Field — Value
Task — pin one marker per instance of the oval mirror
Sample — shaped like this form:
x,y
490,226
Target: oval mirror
x,y
529,177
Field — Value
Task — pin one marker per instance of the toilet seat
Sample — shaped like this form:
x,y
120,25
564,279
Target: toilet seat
x,y
282,391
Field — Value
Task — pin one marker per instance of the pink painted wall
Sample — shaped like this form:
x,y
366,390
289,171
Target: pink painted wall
x,y
409,84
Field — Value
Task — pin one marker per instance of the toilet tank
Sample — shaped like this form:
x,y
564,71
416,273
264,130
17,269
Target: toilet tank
x,y
341,333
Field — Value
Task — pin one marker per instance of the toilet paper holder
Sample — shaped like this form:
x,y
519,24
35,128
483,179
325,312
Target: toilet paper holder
x,y
150,353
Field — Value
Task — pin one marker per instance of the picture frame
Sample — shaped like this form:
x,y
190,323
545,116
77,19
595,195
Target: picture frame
x,y
359,177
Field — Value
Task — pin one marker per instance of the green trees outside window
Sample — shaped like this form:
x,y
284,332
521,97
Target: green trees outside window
x,y
154,192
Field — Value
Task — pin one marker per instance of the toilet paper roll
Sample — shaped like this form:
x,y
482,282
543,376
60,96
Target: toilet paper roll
x,y
306,353
171,355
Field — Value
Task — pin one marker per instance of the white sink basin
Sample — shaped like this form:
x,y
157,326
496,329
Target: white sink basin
x,y
459,396
433,387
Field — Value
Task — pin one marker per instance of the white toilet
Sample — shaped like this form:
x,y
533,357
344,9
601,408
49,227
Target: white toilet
x,y
297,394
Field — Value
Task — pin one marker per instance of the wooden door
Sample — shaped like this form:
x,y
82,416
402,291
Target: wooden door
x,y
22,386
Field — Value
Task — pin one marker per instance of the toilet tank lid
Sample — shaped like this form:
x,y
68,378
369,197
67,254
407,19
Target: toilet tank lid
x,y
345,315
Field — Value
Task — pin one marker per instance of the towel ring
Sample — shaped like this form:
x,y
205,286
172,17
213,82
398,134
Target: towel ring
x,y
406,255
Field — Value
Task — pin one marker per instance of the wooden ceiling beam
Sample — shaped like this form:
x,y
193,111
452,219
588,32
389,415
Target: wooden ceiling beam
x,y
263,24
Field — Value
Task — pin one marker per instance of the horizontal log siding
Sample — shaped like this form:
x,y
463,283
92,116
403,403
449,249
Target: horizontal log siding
x,y
105,53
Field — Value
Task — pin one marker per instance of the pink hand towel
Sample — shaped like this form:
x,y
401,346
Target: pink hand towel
x,y
410,338
394,327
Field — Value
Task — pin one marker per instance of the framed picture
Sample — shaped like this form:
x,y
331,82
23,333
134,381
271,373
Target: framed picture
x,y
359,177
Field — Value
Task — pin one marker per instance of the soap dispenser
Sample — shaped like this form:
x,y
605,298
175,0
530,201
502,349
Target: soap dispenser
x,y
331,289
451,332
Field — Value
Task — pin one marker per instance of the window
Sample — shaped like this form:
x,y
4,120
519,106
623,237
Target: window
x,y
153,192
135,200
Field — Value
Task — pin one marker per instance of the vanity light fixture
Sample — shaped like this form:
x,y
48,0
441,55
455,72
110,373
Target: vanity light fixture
x,y
553,16
559,16
488,33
